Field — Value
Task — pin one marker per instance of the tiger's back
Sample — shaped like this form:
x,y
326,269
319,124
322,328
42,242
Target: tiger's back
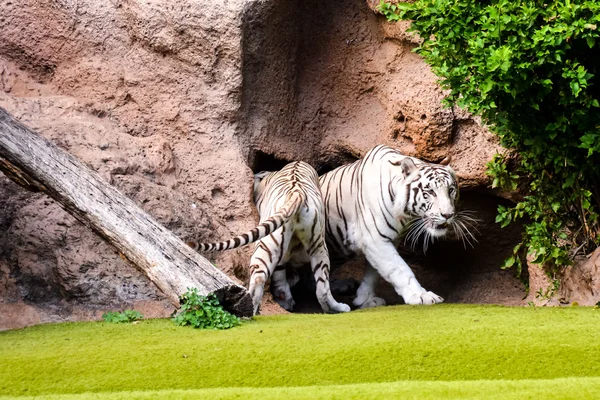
x,y
291,230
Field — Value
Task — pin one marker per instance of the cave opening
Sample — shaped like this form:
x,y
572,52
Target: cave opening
x,y
458,273
260,161
330,161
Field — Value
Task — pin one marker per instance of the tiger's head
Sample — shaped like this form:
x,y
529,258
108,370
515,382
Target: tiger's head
x,y
260,183
428,196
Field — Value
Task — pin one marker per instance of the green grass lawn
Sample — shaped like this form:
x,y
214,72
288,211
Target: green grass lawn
x,y
442,351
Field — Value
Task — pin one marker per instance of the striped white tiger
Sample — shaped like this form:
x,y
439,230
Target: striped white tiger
x,y
291,231
374,202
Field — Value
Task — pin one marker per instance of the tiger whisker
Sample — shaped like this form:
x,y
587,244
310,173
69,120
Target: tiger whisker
x,y
468,237
422,230
415,240
460,234
414,231
468,216
469,223
412,223
414,237
467,212
415,227
464,224
428,239
462,230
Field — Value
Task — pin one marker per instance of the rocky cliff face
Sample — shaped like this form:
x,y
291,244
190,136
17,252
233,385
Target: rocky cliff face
x,y
177,104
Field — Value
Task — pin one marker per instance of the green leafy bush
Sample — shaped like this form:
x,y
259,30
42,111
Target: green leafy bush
x,y
203,312
529,69
125,316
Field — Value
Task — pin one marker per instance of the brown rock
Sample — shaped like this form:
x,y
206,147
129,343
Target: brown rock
x,y
541,288
177,103
581,282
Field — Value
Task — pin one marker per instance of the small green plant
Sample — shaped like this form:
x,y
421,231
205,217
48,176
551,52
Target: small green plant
x,y
125,316
203,312
550,291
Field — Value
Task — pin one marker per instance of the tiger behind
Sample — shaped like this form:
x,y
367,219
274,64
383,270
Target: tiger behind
x,y
374,202
291,231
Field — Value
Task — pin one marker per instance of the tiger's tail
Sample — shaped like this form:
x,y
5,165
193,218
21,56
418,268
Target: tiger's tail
x,y
290,207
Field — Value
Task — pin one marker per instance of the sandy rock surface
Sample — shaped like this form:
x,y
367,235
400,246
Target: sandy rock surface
x,y
177,103
579,283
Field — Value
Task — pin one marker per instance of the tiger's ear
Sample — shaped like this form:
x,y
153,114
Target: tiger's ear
x,y
258,178
261,175
446,161
407,165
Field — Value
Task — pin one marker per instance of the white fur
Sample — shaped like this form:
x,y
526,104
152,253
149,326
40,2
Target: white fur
x,y
303,231
362,218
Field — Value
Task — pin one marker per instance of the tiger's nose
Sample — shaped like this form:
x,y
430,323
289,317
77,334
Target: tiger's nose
x,y
448,216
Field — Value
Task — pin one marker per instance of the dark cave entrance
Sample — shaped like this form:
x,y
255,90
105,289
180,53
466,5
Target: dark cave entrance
x,y
260,161
459,274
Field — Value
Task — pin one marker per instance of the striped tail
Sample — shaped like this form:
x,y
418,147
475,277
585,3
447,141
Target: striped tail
x,y
290,207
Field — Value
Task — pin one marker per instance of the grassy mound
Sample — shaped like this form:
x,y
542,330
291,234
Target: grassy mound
x,y
443,351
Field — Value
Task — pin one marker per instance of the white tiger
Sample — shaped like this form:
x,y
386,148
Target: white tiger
x,y
291,231
373,202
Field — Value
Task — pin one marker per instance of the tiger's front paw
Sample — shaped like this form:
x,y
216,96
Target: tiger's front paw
x,y
339,308
368,300
374,302
423,298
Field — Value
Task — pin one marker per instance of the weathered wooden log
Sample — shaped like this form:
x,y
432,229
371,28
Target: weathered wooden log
x,y
37,164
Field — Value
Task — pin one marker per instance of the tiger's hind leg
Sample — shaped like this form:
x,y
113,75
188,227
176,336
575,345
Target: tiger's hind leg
x,y
280,288
319,261
268,253
365,295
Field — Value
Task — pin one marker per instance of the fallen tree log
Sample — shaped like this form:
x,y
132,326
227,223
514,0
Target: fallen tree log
x,y
37,164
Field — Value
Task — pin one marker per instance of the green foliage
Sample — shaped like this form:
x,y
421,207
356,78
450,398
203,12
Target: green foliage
x,y
515,260
391,10
125,316
529,69
502,177
550,291
203,312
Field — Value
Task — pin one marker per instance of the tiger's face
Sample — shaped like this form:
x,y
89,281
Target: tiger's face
x,y
430,192
435,198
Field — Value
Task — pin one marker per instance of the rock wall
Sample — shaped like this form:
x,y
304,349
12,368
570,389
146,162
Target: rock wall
x,y
574,284
145,93
176,104
580,282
